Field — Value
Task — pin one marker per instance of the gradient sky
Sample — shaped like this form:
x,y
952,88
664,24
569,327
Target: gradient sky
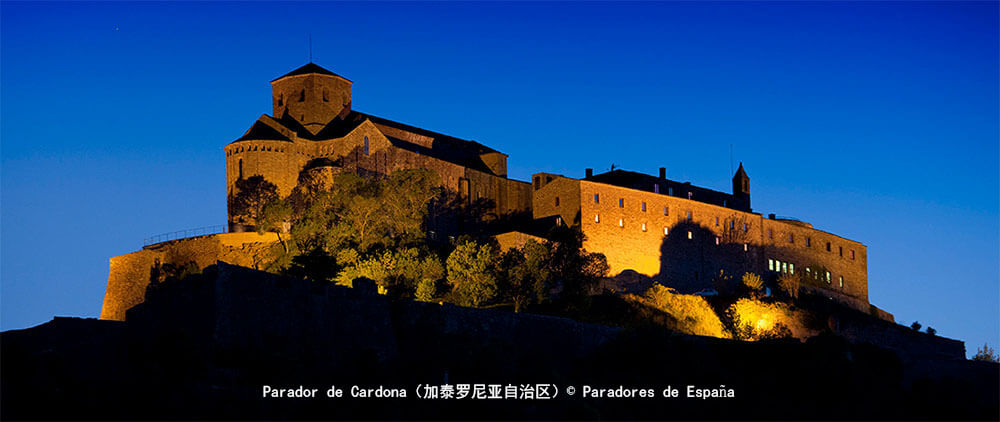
x,y
874,121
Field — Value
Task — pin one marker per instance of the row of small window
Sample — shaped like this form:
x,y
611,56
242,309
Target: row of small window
x,y
302,97
829,246
254,148
789,268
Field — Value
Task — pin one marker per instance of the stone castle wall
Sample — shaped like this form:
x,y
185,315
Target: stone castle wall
x,y
130,274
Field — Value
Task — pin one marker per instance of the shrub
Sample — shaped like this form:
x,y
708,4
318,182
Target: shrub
x,y
693,314
915,326
789,284
931,331
753,282
987,354
471,274
755,320
426,290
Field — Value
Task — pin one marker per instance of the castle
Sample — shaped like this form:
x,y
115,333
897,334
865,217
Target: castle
x,y
647,226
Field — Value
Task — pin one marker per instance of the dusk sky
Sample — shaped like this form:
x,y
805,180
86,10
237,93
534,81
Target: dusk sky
x,y
877,122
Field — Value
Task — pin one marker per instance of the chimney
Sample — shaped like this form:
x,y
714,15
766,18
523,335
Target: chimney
x,y
771,216
663,172
590,172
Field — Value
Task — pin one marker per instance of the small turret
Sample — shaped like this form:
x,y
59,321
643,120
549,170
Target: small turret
x,y
741,188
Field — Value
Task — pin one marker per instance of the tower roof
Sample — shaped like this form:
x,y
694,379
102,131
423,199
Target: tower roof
x,y
740,172
310,68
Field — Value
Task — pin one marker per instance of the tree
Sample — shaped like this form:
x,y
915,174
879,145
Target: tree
x,y
426,290
572,267
790,284
986,354
471,275
915,326
722,282
246,203
524,274
931,331
753,282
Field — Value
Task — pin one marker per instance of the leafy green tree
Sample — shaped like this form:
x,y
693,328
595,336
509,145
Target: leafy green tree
x,y
573,268
525,275
426,290
471,274
247,201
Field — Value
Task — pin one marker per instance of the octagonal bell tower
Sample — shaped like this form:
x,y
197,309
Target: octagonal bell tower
x,y
311,95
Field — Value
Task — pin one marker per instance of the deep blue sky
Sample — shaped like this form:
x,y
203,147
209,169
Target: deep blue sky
x,y
874,121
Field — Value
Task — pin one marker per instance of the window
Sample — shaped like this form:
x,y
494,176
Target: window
x,y
621,202
558,219
828,246
732,224
791,238
725,203
656,188
666,210
827,277
746,227
666,230
670,191
784,267
557,201
716,240
281,100
808,242
621,222
597,218
597,198
325,100
302,96
791,268
841,250
770,234
690,195
841,282
366,145
689,216
643,226
241,168
690,235
852,253
746,247
770,264
643,207
716,221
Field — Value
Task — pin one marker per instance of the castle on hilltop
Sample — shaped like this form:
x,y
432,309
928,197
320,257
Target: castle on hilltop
x,y
649,227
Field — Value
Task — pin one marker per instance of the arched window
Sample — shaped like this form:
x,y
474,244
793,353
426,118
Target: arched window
x,y
366,149
241,168
302,95
325,99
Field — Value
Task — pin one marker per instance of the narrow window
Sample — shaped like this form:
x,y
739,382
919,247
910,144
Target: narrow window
x,y
732,224
690,235
656,188
791,238
808,241
643,207
621,222
690,195
597,198
716,240
666,230
621,202
746,247
557,201
302,96
597,218
725,203
716,221
828,277
746,227
840,249
852,253
281,100
841,282
670,190
666,210
770,234
366,145
689,216
643,226
770,264
558,219
241,168
828,246
325,100
784,267
538,182
791,268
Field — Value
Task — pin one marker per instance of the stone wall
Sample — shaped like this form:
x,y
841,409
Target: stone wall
x,y
130,274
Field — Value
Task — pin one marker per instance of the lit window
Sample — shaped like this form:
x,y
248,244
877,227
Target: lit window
x,y
841,282
643,207
852,253
746,247
643,226
784,267
621,202
558,219
690,235
716,240
827,277
621,222
597,218
597,198
690,195
770,264
666,230
557,201
656,188
791,268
